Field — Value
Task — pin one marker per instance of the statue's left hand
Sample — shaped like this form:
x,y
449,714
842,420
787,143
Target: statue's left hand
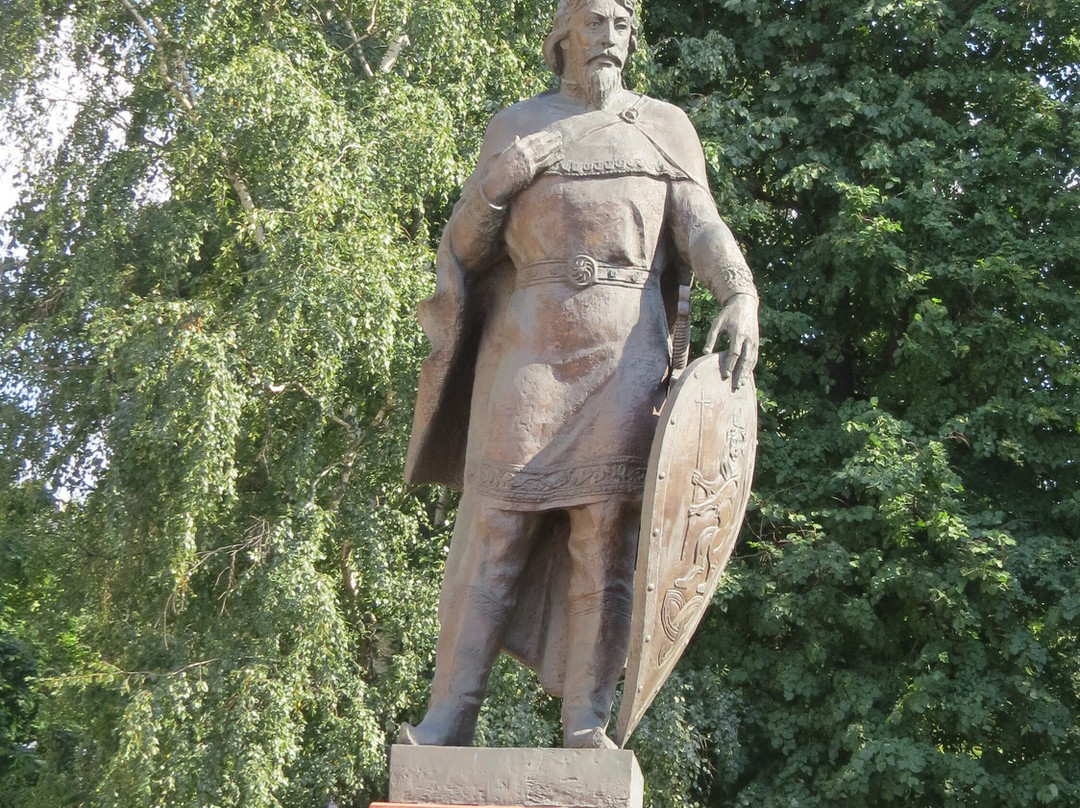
x,y
739,320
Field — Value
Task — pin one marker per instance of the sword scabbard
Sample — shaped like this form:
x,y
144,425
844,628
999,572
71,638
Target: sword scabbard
x,y
680,343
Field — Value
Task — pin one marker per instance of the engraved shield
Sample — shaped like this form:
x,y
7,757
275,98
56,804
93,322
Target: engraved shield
x,y
696,490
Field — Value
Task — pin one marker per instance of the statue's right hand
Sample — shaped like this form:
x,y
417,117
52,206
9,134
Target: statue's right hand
x,y
519,164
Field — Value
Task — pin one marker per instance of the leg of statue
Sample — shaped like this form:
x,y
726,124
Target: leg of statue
x,y
603,541
487,554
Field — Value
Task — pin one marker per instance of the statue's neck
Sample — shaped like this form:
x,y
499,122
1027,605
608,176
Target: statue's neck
x,y
572,91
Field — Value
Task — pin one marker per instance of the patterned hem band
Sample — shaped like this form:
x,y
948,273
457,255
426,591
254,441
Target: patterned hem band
x,y
514,483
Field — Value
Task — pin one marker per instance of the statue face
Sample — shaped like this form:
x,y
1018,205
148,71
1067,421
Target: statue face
x,y
599,38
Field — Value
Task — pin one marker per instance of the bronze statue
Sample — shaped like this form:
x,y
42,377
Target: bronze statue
x,y
558,278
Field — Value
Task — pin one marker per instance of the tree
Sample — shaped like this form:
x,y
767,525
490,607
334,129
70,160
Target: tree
x,y
216,589
902,627
209,361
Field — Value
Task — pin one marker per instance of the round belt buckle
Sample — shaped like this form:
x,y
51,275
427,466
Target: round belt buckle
x,y
583,270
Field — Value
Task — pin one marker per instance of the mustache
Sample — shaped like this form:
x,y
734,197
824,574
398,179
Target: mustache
x,y
609,56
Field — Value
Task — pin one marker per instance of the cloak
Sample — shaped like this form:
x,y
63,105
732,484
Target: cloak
x,y
454,320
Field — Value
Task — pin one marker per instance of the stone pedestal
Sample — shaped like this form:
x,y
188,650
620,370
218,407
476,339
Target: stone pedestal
x,y
469,776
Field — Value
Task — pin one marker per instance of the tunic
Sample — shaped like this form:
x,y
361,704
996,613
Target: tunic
x,y
582,346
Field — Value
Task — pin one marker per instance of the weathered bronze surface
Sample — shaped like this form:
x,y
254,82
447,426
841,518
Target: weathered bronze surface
x,y
558,282
698,484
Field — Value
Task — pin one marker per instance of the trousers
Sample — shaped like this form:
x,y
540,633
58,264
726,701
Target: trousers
x,y
488,556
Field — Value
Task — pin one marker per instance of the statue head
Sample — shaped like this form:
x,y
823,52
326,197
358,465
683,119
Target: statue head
x,y
568,13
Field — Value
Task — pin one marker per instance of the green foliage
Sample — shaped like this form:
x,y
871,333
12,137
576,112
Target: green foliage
x,y
215,588
227,594
901,626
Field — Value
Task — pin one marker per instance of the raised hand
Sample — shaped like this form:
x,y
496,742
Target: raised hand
x,y
519,164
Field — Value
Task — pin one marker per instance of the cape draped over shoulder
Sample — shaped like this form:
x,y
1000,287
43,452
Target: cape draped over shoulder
x,y
454,320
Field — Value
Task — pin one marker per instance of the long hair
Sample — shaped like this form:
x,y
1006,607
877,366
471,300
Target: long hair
x,y
560,30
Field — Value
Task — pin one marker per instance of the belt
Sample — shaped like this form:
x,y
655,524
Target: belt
x,y
583,271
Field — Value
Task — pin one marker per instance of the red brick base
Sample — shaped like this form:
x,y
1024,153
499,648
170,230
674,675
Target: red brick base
x,y
434,805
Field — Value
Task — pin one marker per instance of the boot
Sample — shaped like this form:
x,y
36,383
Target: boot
x,y
599,637
467,647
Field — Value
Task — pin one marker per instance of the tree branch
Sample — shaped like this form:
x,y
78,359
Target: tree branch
x,y
241,189
159,57
357,49
348,572
184,93
393,52
347,148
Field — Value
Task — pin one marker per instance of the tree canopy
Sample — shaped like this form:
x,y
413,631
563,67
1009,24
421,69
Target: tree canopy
x,y
904,175
215,588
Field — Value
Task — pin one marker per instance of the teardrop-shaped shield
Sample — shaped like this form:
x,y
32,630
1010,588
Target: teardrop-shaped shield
x,y
696,490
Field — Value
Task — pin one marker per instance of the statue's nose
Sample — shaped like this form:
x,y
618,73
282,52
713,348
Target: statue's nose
x,y
607,34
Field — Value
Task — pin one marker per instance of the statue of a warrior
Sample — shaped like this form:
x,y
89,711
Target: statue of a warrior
x,y
551,329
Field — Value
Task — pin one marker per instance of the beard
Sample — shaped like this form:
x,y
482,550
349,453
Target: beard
x,y
601,84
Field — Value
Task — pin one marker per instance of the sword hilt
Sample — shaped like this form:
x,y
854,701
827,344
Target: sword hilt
x,y
680,343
